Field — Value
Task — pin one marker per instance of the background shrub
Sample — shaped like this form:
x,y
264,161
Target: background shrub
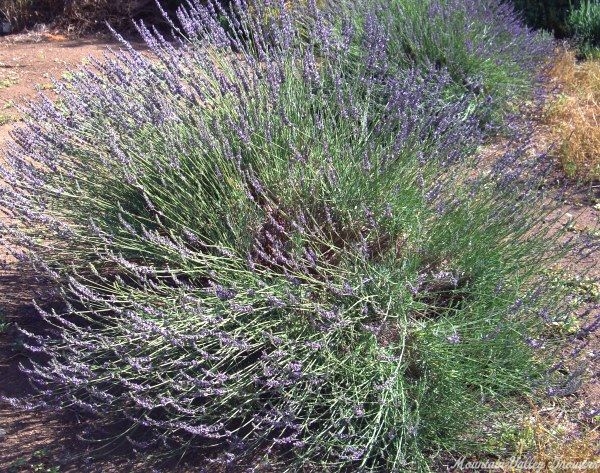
x,y
91,15
550,15
584,23
84,15
24,13
259,255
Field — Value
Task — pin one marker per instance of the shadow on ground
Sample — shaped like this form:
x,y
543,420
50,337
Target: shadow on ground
x,y
45,441
34,440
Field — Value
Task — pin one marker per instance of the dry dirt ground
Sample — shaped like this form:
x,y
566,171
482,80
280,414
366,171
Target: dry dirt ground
x,y
28,62
42,442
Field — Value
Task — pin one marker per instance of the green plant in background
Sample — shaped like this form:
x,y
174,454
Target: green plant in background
x,y
579,19
584,24
3,322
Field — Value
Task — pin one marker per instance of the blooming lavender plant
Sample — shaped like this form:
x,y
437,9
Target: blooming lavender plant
x,y
483,44
261,255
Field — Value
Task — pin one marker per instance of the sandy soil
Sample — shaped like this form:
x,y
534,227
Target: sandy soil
x,y
29,62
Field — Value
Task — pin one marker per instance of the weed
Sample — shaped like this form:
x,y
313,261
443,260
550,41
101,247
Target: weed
x,y
574,116
17,465
557,445
4,324
36,462
7,82
5,119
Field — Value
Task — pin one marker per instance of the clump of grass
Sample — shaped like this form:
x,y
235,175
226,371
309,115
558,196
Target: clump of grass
x,y
5,119
575,114
8,82
264,250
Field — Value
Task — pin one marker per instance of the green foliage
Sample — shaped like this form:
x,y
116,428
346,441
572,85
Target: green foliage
x,y
3,322
39,461
584,23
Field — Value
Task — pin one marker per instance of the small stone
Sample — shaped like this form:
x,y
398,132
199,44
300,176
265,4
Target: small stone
x,y
2,433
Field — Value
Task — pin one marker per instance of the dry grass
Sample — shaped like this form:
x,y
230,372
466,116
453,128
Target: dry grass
x,y
23,13
89,15
575,115
83,16
561,445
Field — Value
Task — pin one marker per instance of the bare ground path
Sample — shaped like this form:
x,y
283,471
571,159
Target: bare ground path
x,y
29,61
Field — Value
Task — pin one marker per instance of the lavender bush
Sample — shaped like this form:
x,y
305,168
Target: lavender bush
x,y
261,257
485,47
